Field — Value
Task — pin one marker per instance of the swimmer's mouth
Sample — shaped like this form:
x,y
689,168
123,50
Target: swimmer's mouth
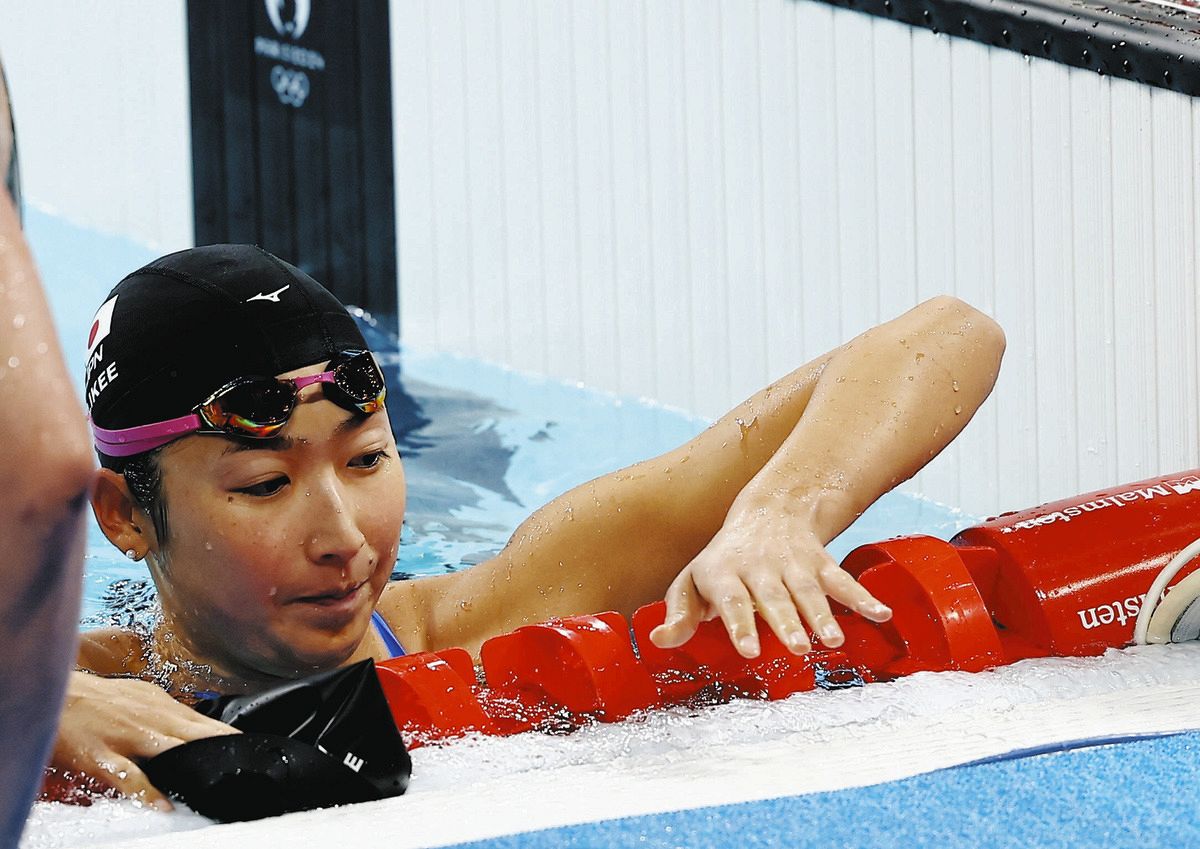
x,y
334,596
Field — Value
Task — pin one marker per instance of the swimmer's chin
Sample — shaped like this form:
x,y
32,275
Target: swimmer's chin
x,y
301,661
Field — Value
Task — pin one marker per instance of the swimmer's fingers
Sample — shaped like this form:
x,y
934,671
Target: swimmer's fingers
x,y
731,600
777,607
188,725
146,743
205,726
124,776
160,716
108,726
685,610
839,586
810,600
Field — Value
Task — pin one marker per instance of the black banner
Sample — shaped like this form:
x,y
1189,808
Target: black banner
x,y
292,137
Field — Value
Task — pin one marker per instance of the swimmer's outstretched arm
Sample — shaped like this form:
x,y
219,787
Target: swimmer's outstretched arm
x,y
737,519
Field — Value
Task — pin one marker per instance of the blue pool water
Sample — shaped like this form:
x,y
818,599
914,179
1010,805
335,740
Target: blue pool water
x,y
483,446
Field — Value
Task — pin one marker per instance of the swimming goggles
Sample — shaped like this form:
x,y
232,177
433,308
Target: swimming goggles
x,y
255,407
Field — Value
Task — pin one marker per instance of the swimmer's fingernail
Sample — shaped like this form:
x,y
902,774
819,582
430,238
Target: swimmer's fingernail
x,y
877,609
162,805
748,646
798,642
831,634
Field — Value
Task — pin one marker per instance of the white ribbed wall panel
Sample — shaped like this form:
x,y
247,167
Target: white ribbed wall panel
x,y
685,200
100,91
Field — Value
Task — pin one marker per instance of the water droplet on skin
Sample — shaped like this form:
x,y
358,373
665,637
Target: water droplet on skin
x,y
42,347
274,591
920,356
18,321
569,512
954,385
957,409
464,605
13,362
208,546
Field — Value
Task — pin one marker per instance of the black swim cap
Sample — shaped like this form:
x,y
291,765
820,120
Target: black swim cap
x,y
175,331
328,739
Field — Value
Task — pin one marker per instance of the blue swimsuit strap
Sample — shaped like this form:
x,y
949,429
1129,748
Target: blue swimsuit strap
x,y
385,633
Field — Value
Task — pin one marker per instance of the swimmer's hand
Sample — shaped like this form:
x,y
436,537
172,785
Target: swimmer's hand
x,y
775,564
110,724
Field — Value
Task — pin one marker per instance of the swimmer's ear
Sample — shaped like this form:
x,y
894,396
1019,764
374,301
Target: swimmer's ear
x,y
123,522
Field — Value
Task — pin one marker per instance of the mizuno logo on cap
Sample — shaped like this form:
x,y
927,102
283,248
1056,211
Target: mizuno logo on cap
x,y
273,297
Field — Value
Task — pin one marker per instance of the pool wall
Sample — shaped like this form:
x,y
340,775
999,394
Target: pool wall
x,y
683,201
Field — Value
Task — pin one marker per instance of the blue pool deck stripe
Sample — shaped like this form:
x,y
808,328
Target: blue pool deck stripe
x,y
1137,794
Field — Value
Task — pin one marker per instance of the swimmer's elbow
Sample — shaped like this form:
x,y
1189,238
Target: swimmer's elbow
x,y
49,476
73,473
975,327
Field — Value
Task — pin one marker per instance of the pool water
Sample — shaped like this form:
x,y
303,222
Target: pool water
x,y
483,446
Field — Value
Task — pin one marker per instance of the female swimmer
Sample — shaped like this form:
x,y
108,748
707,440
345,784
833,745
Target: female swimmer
x,y
269,509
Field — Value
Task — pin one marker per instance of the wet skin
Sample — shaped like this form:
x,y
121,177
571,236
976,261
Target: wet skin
x,y
279,549
264,543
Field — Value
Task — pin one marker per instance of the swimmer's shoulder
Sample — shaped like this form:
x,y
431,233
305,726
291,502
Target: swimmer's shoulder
x,y
112,651
413,609
400,607
436,612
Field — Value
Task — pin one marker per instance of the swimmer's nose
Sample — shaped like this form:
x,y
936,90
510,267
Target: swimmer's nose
x,y
331,534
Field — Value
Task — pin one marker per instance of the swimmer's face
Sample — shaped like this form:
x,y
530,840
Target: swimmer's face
x,y
279,549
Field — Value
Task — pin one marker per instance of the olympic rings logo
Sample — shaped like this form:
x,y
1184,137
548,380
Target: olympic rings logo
x,y
292,87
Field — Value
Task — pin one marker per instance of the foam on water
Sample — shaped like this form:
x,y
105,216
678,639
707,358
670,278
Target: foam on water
x,y
803,718
661,739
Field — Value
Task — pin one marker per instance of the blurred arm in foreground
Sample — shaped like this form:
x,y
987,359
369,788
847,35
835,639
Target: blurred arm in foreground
x,y
45,471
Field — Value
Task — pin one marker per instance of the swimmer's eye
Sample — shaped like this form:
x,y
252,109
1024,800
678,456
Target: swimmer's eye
x,y
267,487
369,460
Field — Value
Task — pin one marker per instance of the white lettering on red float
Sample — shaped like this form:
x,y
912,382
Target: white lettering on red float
x,y
1167,489
1120,612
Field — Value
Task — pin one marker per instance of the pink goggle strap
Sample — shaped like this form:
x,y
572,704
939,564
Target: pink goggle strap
x,y
134,440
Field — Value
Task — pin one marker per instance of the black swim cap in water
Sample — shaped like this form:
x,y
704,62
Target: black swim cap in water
x,y
175,331
328,739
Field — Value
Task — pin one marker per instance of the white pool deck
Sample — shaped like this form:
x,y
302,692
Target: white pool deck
x,y
746,751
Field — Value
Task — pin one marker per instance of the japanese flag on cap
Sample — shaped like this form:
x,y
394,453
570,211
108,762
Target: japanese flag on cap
x,y
101,325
